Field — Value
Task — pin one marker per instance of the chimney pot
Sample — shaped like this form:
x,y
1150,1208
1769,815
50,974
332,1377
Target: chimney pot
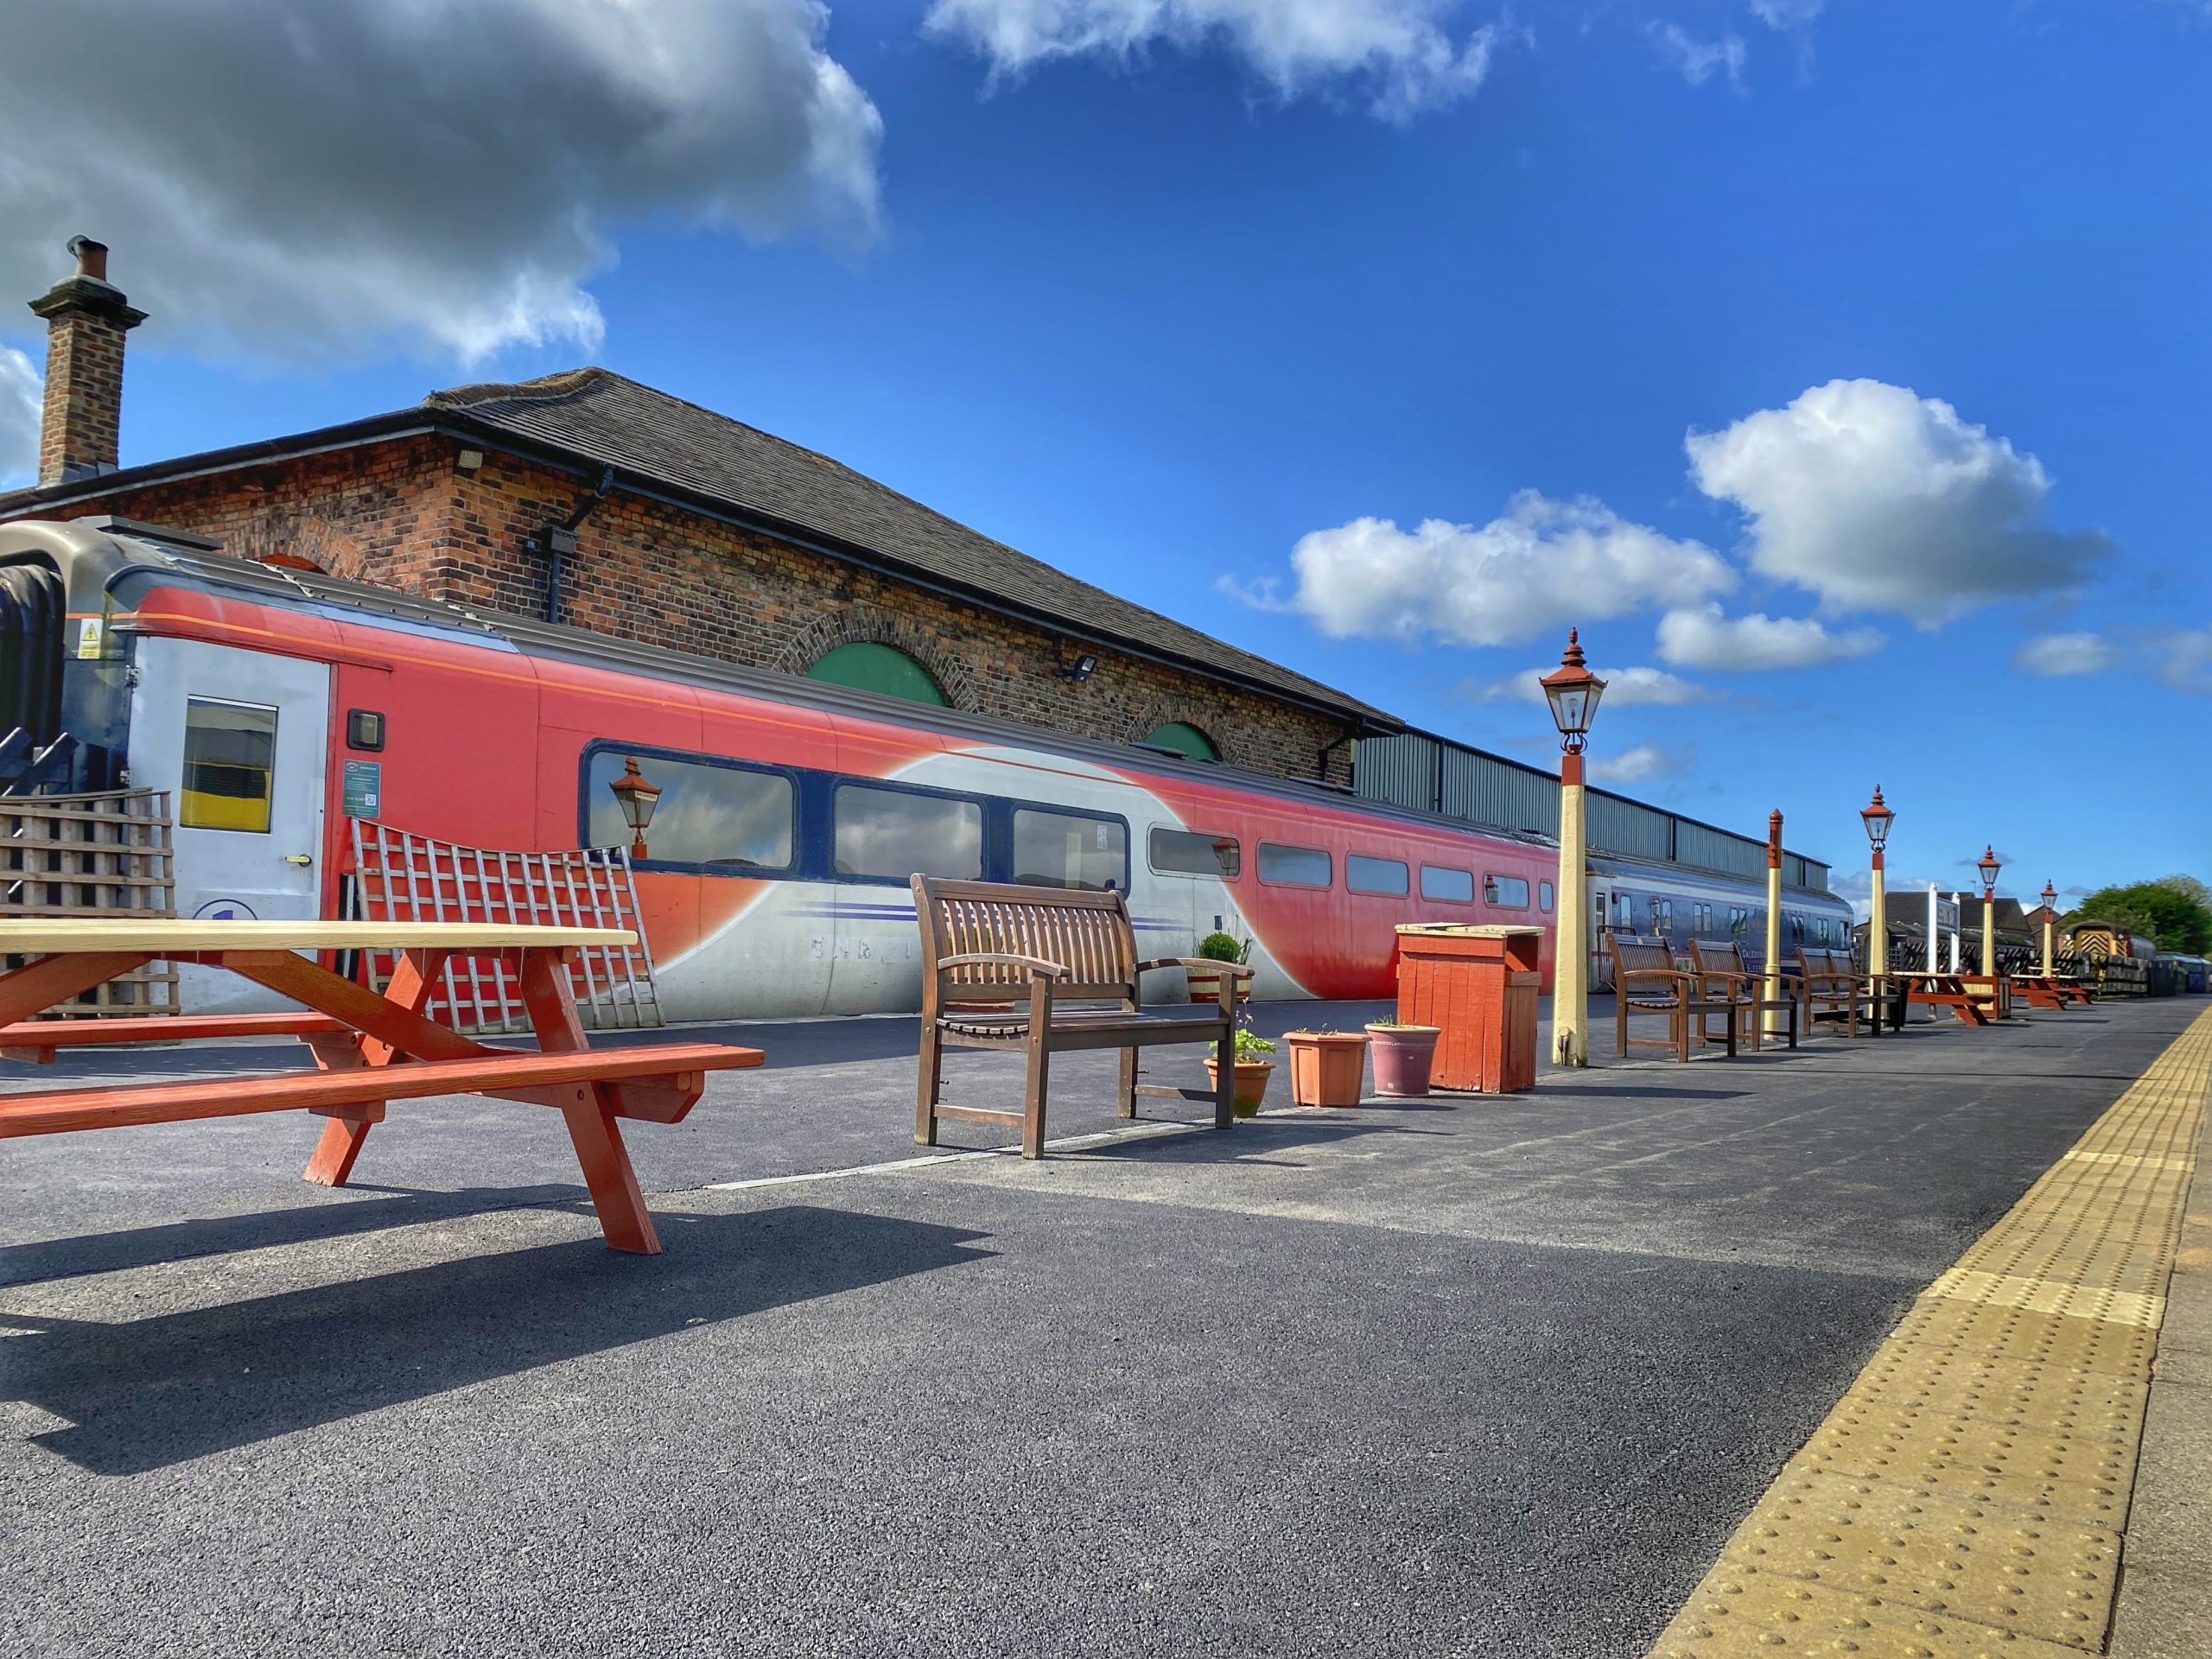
x,y
91,256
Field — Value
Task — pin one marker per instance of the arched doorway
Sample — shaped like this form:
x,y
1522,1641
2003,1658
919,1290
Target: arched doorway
x,y
884,670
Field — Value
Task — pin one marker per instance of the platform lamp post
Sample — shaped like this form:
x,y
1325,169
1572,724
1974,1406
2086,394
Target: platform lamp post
x,y
1878,818
2049,929
1770,1020
1989,867
637,798
1572,691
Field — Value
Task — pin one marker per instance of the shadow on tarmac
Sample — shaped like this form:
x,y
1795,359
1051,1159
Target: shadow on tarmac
x,y
146,1394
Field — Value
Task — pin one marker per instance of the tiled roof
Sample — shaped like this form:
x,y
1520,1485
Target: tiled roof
x,y
598,417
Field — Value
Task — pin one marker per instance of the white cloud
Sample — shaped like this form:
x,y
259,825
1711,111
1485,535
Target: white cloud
x,y
1696,60
1625,687
21,393
1877,499
2065,653
1641,763
441,174
1541,565
1397,52
1786,14
2179,658
1704,637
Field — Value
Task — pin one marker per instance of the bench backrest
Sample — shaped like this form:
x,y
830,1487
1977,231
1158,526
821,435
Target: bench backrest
x,y
1635,955
1087,933
1823,963
1718,957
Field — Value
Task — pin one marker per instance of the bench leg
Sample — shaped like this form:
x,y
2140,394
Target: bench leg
x,y
928,1081
614,1185
1127,1101
1224,1079
1039,1081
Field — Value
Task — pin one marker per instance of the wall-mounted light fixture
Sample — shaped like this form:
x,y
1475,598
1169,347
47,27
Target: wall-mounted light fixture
x,y
1080,670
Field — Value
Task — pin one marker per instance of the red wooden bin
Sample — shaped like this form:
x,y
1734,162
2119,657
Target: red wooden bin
x,y
1478,985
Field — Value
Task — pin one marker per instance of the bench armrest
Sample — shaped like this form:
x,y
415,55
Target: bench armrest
x,y
1037,965
1676,975
1203,964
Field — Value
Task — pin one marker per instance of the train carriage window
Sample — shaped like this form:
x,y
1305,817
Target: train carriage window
x,y
1506,892
1193,852
230,749
730,820
1446,885
1544,896
1385,876
1662,917
1294,867
893,834
1704,919
1070,850
1740,921
1624,913
1798,929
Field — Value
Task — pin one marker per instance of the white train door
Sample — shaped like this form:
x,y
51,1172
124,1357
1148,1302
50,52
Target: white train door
x,y
240,740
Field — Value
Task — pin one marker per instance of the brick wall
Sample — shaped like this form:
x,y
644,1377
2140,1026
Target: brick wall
x,y
402,513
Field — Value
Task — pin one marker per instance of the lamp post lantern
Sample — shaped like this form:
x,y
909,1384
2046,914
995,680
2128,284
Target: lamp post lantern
x,y
2050,929
1878,818
637,798
1988,865
1572,692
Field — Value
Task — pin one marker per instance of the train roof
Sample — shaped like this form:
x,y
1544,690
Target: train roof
x,y
1660,870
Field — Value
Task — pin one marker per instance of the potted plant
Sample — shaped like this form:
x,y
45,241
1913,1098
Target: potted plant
x,y
1253,1071
1218,947
1326,1067
1403,1054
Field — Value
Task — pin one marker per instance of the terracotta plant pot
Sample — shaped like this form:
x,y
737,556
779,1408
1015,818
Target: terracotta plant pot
x,y
1403,1055
1206,988
1326,1067
1249,1087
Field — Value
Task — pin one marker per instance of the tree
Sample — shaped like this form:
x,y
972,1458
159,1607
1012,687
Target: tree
x,y
2171,910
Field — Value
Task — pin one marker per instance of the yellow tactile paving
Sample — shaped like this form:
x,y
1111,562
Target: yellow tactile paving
x,y
1966,1497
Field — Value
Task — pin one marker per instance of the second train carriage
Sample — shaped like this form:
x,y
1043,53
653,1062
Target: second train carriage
x,y
272,704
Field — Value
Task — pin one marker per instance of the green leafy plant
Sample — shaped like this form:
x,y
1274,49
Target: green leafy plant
x,y
1222,947
1250,1046
2169,911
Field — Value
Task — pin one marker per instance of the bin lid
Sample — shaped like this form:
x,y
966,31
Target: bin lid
x,y
1458,930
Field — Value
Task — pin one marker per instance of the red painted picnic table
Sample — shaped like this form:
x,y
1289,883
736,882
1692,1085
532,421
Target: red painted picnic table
x,y
369,1047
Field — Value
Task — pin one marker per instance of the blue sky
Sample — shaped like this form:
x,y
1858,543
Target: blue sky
x,y
1841,368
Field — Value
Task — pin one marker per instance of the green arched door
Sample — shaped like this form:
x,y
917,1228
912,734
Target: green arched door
x,y
1184,739
882,668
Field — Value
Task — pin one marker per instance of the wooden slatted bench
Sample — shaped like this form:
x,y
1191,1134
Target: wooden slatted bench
x,y
1835,991
1721,962
1001,964
1646,980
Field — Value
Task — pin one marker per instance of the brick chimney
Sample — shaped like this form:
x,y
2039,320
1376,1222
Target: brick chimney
x,y
85,319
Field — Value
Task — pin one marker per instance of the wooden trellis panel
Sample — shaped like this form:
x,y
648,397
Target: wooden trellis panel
x,y
106,855
399,876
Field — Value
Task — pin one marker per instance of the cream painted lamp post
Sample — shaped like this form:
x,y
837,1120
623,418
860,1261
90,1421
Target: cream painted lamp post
x,y
1572,691
1989,867
1771,1020
2050,929
1878,818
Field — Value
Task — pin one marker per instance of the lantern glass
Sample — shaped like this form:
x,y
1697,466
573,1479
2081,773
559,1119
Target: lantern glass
x,y
635,796
1572,706
1989,867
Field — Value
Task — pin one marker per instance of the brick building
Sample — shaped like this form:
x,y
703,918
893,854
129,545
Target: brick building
x,y
588,499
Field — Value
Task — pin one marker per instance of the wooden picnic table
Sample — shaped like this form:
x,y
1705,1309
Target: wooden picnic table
x,y
1953,992
369,1047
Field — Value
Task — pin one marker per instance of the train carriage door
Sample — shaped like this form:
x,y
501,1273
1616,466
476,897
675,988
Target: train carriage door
x,y
240,740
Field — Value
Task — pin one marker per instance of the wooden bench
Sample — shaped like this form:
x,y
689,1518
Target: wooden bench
x,y
1003,965
1835,991
1721,962
1646,980
36,1041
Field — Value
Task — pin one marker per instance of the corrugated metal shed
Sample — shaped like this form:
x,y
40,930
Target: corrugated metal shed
x,y
1432,774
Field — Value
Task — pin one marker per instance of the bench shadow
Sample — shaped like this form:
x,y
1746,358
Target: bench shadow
x,y
143,1395
374,1210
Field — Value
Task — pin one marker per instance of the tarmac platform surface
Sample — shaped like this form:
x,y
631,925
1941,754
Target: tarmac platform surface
x,y
1466,1376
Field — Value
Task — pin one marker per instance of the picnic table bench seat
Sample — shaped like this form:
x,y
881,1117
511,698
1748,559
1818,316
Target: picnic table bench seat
x,y
1050,970
37,1041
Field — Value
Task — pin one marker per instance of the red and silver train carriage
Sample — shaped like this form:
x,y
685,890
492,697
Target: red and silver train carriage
x,y
273,704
